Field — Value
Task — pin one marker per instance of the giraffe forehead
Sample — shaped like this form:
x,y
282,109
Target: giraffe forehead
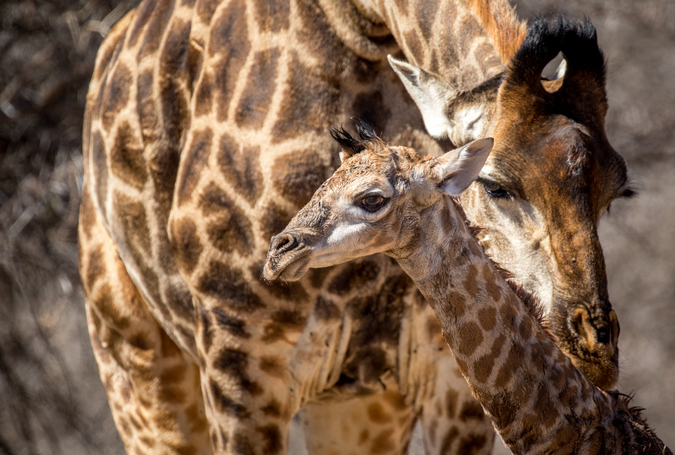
x,y
357,171
390,163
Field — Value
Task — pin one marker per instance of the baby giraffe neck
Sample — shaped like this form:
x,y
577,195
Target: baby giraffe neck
x,y
523,381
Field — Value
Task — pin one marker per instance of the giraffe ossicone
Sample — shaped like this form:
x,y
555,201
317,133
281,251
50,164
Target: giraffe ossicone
x,y
388,199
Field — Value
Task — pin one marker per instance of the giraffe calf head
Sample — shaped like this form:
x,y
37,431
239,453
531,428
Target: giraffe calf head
x,y
370,204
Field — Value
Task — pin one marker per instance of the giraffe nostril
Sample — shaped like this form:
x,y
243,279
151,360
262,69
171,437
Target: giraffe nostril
x,y
283,243
595,332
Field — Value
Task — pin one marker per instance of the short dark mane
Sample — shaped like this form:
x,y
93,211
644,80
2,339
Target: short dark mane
x,y
529,300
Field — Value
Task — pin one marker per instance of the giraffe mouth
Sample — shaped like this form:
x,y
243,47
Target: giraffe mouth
x,y
286,260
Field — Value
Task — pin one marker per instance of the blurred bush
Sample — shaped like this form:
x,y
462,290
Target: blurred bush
x,y
50,394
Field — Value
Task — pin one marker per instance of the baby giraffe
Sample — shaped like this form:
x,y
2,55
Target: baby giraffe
x,y
391,200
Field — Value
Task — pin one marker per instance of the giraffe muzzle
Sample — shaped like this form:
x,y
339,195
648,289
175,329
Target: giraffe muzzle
x,y
597,346
288,258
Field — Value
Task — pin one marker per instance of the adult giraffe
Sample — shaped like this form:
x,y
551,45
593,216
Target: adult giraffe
x,y
205,131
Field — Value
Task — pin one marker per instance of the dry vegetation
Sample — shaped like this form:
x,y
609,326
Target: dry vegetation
x,y
51,400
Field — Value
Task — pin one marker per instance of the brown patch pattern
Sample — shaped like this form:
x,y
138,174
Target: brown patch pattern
x,y
229,323
257,96
377,414
131,215
273,220
370,106
159,16
273,366
126,157
354,276
487,318
298,174
228,286
241,167
173,62
224,403
197,158
185,244
325,310
229,42
115,94
471,336
234,364
231,229
309,105
272,439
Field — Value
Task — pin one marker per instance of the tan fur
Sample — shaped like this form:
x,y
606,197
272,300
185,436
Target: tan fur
x,y
502,25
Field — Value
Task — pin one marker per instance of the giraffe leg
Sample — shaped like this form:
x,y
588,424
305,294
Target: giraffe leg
x,y
373,424
248,397
453,422
152,385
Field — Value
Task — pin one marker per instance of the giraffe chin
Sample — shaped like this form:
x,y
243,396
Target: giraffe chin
x,y
287,267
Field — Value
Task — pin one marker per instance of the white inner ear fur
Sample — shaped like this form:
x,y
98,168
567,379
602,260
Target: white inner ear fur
x,y
433,96
561,70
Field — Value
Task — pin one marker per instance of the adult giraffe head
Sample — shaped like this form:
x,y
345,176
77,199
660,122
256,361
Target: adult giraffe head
x,y
550,177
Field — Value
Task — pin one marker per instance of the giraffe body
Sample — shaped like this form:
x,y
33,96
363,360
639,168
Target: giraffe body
x,y
204,132
391,200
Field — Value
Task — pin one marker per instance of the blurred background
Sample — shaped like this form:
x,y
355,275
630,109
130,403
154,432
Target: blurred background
x,y
51,399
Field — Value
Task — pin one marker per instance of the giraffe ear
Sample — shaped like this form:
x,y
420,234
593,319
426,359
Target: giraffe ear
x,y
458,168
435,98
344,154
429,93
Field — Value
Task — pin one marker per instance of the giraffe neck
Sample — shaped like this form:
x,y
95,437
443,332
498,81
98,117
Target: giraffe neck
x,y
523,381
466,42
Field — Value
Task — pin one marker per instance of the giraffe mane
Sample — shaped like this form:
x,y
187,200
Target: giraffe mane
x,y
530,300
632,418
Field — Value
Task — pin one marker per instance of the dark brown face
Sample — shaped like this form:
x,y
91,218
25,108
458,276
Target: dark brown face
x,y
554,190
539,199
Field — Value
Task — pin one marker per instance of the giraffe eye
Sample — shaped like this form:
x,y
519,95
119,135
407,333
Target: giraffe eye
x,y
495,190
373,203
